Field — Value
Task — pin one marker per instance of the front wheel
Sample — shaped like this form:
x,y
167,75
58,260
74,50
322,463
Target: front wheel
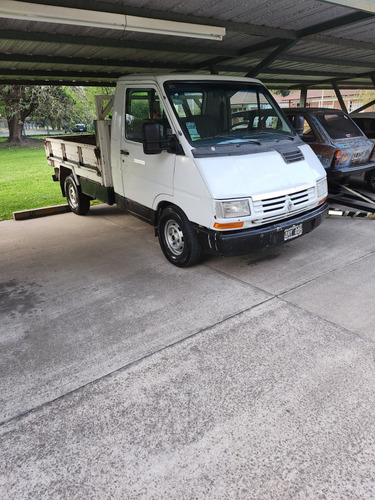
x,y
370,179
78,202
177,238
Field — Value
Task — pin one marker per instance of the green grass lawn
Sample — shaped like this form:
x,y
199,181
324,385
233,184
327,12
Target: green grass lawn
x,y
25,180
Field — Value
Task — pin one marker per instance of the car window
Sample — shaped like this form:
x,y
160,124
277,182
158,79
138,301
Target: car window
x,y
367,125
308,133
338,126
142,106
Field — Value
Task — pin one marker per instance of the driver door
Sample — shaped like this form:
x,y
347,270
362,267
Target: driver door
x,y
145,177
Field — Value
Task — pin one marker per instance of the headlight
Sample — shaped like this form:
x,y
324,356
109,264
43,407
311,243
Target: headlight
x,y
321,188
232,209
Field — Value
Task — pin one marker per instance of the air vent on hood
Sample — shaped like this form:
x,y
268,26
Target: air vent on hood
x,y
292,156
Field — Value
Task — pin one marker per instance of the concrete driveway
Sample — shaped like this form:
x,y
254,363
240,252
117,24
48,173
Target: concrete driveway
x,y
124,377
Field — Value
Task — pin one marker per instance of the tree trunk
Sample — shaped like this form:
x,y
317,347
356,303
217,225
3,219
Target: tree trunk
x,y
15,126
17,108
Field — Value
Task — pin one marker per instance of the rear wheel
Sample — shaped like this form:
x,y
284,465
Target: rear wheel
x,y
78,202
177,238
370,179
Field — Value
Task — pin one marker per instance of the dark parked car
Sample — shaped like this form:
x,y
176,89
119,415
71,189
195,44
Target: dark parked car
x,y
79,127
339,143
366,122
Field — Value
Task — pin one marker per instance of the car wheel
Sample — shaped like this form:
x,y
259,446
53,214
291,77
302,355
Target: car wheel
x,y
78,202
370,179
177,238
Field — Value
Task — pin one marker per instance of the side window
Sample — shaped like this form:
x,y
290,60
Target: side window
x,y
142,106
308,133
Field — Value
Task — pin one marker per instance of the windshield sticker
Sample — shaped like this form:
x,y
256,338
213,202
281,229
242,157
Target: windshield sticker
x,y
192,129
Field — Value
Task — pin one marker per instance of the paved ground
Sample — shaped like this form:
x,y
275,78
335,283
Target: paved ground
x,y
4,132
124,377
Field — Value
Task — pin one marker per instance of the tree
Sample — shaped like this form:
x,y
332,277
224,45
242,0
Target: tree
x,y
85,109
42,102
14,98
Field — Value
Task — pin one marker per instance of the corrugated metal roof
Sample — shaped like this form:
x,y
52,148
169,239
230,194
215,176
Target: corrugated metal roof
x,y
286,44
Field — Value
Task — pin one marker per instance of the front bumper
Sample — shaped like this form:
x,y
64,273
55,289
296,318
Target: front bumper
x,y
245,241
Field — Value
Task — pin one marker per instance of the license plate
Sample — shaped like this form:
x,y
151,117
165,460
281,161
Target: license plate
x,y
293,232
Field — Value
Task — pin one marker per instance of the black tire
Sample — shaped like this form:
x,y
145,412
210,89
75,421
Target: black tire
x,y
78,202
177,238
370,179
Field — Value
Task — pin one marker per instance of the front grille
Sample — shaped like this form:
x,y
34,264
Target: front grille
x,y
292,156
272,209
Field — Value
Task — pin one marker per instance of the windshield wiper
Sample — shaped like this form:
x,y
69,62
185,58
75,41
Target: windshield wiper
x,y
275,136
253,141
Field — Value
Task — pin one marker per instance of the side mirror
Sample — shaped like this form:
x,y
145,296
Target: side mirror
x,y
154,142
298,124
151,139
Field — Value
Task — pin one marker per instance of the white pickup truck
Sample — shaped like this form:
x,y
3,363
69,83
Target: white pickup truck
x,y
210,161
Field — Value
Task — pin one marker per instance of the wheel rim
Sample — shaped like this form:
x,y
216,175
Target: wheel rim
x,y
174,237
72,196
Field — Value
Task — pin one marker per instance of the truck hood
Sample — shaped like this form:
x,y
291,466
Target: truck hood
x,y
258,173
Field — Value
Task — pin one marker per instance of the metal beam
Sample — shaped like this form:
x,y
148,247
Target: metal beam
x,y
297,36
217,62
93,61
339,97
365,106
328,61
340,42
356,76
274,42
243,69
271,58
75,75
338,22
52,63
303,97
59,82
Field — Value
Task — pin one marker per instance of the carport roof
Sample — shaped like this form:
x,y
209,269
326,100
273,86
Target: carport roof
x,y
287,44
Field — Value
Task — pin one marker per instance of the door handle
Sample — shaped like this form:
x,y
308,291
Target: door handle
x,y
124,152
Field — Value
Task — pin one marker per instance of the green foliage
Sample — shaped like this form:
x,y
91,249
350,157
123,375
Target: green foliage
x,y
57,106
140,106
81,111
25,180
53,105
42,103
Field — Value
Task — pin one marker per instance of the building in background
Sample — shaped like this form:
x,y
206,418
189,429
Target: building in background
x,y
353,99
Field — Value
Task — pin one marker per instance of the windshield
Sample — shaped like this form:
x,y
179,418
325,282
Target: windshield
x,y
339,126
214,112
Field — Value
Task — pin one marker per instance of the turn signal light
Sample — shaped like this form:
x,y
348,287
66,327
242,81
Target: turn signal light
x,y
336,159
228,225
